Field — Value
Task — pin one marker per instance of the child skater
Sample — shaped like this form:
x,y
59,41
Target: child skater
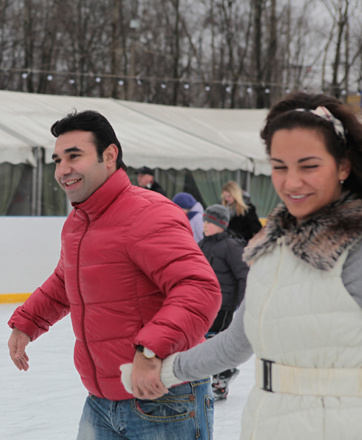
x,y
223,249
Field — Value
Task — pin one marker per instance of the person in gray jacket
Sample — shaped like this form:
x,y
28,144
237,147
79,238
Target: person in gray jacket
x,y
302,314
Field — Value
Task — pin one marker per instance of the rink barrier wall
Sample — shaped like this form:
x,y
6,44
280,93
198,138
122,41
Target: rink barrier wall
x,y
30,249
30,252
7,298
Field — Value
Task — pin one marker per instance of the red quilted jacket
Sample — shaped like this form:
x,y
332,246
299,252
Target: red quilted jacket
x,y
130,272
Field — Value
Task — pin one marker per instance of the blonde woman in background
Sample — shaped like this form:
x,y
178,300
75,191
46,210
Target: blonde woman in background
x,y
243,218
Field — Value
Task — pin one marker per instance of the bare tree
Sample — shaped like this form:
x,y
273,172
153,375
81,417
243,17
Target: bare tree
x,y
341,13
216,53
258,50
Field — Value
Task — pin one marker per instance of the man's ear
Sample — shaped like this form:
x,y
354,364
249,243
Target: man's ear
x,y
110,155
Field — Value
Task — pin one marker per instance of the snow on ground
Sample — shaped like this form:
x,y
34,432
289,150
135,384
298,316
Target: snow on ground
x,y
46,401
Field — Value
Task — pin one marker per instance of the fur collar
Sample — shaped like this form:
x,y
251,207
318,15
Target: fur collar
x,y
320,240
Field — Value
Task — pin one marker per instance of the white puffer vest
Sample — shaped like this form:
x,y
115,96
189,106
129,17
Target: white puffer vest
x,y
301,317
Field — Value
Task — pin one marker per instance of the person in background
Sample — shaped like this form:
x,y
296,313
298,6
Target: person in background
x,y
132,294
194,211
146,179
302,312
243,218
223,250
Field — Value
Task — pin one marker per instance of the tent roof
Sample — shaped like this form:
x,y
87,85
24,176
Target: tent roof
x,y
154,135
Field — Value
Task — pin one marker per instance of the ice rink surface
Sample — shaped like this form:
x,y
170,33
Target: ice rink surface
x,y
46,401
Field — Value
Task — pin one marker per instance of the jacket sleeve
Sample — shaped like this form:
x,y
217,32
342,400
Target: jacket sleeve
x,y
197,227
351,274
163,247
238,268
45,306
253,220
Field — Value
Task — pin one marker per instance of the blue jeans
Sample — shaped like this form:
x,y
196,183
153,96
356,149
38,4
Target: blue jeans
x,y
185,413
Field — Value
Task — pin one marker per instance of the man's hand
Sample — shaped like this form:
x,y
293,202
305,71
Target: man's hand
x,y
17,343
146,381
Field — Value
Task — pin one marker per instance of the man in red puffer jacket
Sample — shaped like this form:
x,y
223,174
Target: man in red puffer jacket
x,y
137,286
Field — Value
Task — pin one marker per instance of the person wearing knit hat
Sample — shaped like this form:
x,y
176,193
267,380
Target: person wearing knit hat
x,y
223,250
218,215
184,200
193,210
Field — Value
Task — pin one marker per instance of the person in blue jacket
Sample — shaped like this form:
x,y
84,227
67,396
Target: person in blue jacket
x,y
194,211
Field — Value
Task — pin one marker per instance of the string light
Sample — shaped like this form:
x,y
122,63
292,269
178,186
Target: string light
x,y
249,88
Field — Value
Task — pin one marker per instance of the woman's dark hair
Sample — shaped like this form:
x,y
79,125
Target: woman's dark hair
x,y
283,116
98,125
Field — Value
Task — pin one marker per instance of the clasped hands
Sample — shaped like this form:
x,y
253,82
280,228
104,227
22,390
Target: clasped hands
x,y
143,377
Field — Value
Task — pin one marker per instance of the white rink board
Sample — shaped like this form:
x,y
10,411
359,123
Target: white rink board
x,y
30,248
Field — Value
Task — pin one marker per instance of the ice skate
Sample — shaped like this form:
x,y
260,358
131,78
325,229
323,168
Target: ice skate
x,y
220,390
221,381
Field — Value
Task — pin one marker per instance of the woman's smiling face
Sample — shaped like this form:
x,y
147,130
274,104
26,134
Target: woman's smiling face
x,y
305,175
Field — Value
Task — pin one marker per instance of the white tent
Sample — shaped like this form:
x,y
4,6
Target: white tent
x,y
160,136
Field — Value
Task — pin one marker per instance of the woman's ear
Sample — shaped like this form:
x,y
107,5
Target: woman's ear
x,y
344,169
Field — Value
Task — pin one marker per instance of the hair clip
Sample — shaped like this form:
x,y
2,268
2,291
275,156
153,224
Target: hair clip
x,y
324,113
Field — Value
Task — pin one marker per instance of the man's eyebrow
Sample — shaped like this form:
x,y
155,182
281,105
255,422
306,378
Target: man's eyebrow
x,y
67,151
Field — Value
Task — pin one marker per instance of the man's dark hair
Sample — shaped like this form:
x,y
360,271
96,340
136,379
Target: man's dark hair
x,y
95,123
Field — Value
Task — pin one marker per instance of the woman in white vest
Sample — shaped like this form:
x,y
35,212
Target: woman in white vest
x,y
302,313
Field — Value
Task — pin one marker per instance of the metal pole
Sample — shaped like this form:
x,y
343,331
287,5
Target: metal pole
x,y
248,181
37,177
33,189
40,180
238,178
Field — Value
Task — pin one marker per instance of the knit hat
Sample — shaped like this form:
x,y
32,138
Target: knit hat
x,y
145,170
184,200
217,214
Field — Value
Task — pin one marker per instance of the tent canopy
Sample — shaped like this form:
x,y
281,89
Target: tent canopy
x,y
154,135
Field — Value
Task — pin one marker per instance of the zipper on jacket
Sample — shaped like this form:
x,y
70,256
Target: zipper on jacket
x,y
280,242
83,309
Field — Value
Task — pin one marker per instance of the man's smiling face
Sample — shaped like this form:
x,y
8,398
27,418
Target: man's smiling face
x,y
78,169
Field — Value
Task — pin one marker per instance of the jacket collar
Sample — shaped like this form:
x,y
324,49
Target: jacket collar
x,y
320,240
105,195
216,237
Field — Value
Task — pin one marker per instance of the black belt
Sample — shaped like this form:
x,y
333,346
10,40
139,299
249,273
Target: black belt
x,y
267,375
